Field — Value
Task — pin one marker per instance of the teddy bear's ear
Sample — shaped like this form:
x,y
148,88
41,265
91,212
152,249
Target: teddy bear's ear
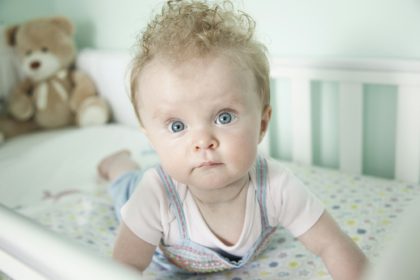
x,y
64,23
10,34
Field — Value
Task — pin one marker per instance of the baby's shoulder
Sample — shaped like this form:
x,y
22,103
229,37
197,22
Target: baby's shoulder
x,y
281,180
154,185
276,170
150,185
151,176
153,194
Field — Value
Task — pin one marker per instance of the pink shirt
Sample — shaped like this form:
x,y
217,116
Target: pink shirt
x,y
288,202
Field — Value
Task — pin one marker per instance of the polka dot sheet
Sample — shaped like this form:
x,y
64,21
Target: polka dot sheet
x,y
366,209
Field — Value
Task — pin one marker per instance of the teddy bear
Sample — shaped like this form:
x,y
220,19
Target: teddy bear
x,y
52,93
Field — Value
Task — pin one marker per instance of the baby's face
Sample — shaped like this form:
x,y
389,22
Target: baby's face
x,y
204,119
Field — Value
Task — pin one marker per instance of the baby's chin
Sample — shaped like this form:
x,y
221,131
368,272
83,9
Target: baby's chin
x,y
213,181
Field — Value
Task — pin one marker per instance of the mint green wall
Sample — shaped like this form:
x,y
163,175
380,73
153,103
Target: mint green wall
x,y
108,24
21,10
380,110
291,28
356,28
340,28
99,24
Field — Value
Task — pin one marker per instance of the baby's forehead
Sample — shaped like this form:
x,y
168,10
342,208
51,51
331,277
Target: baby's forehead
x,y
201,74
189,66
163,76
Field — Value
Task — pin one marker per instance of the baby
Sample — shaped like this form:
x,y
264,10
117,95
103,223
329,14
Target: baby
x,y
200,89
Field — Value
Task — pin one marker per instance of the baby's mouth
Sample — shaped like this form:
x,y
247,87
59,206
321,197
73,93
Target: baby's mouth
x,y
207,164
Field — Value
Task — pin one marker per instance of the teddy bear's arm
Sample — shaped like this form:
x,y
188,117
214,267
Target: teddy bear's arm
x,y
20,105
90,109
83,87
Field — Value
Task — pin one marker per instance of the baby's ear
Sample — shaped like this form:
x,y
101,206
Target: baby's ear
x,y
10,34
143,130
265,121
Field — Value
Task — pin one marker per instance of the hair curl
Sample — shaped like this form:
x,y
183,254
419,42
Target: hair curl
x,y
189,28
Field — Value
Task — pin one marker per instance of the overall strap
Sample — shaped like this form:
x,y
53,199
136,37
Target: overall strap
x,y
174,202
262,176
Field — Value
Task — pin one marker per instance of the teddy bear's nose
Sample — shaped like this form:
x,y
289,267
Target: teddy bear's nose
x,y
35,64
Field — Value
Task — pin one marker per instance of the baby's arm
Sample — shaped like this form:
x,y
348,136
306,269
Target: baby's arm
x,y
132,250
344,260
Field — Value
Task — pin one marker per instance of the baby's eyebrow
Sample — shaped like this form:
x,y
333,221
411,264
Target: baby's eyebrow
x,y
162,113
232,101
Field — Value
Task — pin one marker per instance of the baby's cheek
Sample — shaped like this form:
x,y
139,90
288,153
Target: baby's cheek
x,y
244,149
174,169
248,137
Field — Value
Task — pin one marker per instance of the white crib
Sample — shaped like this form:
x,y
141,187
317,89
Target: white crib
x,y
29,249
351,76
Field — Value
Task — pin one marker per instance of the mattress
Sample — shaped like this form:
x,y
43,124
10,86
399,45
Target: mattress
x,y
51,178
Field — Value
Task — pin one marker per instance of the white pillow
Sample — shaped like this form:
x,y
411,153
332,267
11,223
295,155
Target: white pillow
x,y
109,71
9,67
64,159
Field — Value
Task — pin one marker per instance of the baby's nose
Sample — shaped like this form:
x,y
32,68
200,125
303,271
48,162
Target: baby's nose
x,y
205,146
204,141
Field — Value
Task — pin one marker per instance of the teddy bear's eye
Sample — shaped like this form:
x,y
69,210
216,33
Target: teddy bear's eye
x,y
28,52
44,49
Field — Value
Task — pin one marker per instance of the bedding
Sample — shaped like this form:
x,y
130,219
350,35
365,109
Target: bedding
x,y
51,178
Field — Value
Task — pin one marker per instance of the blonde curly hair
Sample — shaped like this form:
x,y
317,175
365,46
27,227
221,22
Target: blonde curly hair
x,y
193,28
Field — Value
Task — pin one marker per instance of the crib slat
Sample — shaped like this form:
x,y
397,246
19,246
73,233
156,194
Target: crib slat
x,y
407,158
301,120
351,127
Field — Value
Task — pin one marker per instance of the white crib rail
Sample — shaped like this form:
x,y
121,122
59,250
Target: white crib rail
x,y
350,127
352,75
30,251
301,114
408,131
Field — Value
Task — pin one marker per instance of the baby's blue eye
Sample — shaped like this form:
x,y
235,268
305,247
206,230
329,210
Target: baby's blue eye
x,y
176,126
225,118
